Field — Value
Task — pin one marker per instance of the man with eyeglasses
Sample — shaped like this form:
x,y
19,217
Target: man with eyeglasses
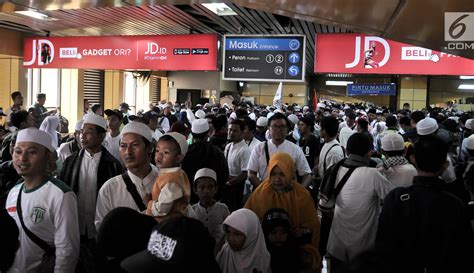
x,y
260,156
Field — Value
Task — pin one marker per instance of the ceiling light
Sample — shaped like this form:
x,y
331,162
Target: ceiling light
x,y
466,86
34,14
466,77
338,83
221,9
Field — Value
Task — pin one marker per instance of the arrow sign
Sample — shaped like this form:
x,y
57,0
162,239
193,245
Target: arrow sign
x,y
293,70
294,57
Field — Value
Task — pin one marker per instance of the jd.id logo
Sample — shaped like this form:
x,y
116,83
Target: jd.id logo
x,y
459,30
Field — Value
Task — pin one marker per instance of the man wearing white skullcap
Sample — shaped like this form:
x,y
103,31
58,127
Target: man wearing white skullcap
x,y
395,166
135,150
44,205
429,127
87,170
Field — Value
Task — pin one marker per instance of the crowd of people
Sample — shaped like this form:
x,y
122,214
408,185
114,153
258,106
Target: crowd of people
x,y
238,188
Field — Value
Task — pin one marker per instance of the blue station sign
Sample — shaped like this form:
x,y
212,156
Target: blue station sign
x,y
279,58
376,89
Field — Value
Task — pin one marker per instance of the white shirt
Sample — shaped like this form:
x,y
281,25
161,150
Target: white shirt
x,y
237,156
212,217
112,144
258,160
344,135
50,212
114,193
401,175
334,155
252,144
165,124
86,196
156,134
356,213
64,150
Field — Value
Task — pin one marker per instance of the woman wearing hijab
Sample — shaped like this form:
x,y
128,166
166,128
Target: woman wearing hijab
x,y
280,190
280,242
245,250
50,125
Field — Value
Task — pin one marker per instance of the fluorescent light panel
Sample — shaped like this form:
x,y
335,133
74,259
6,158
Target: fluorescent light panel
x,y
221,9
466,86
33,14
338,83
466,77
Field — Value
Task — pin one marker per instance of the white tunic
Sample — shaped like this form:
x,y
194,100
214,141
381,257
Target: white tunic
x,y
114,193
258,161
252,144
334,155
356,213
212,217
164,123
50,212
237,156
401,175
112,144
86,196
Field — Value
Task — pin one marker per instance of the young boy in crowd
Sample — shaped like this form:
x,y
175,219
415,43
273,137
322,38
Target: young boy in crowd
x,y
171,192
210,212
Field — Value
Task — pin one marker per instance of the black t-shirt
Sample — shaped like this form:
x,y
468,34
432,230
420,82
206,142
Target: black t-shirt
x,y
311,148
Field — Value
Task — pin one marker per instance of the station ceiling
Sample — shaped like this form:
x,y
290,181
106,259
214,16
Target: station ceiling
x,y
417,22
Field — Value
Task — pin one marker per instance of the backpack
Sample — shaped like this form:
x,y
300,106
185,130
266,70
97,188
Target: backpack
x,y
328,193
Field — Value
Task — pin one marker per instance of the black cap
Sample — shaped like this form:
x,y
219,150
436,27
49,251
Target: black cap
x,y
41,96
124,105
178,244
16,94
114,112
124,232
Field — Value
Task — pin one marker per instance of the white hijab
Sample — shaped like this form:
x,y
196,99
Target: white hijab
x,y
50,125
254,254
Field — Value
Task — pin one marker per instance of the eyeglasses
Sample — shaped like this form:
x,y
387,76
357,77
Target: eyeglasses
x,y
276,127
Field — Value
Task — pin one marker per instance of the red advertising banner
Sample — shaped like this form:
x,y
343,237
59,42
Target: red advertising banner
x,y
364,54
160,52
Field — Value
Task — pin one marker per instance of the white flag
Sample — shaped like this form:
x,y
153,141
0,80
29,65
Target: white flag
x,y
277,98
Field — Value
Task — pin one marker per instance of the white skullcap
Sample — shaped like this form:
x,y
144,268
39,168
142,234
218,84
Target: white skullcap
x,y
135,127
262,121
79,125
180,139
36,136
470,142
321,105
200,114
252,116
305,108
200,126
96,120
468,123
293,118
392,142
426,126
169,193
456,119
205,172
269,115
